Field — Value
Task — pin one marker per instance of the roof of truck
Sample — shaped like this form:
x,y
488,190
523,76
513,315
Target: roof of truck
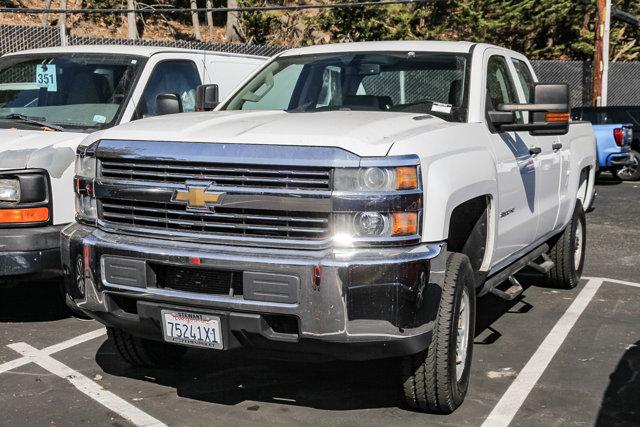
x,y
389,46
124,50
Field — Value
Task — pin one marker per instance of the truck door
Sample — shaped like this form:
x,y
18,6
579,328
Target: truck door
x,y
516,168
549,162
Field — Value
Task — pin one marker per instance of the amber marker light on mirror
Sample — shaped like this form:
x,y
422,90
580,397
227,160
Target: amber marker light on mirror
x,y
405,223
556,117
406,178
24,216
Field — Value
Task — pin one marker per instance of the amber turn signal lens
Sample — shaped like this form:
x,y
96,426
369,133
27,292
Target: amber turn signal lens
x,y
22,216
556,117
406,178
405,223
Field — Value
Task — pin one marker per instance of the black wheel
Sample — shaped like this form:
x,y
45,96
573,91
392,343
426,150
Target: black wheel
x,y
145,353
437,379
568,252
631,172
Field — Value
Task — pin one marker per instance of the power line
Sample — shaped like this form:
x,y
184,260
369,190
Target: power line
x,y
172,10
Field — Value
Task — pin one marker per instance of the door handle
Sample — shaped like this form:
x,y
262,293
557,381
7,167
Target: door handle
x,y
557,146
535,150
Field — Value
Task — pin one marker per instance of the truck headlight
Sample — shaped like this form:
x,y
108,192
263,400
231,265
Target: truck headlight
x,y
376,179
9,190
86,166
86,206
374,225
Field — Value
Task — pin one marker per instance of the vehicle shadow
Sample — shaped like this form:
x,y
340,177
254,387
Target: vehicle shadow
x,y
35,301
230,378
620,402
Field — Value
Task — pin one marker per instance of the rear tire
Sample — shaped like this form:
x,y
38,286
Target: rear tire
x,y
437,379
143,353
568,252
630,172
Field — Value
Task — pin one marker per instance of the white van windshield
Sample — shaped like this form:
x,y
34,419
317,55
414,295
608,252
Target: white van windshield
x,y
76,92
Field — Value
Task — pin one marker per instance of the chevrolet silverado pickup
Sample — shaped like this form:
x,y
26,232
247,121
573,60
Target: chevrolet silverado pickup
x,y
50,99
348,201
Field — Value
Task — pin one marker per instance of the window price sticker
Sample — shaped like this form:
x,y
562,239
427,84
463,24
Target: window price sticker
x,y
46,77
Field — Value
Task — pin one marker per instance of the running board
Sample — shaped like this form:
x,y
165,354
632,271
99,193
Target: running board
x,y
491,284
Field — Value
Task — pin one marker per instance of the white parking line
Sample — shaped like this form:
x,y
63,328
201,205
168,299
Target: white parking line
x,y
87,386
506,409
54,349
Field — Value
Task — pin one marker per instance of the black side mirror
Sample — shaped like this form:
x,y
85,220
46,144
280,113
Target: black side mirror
x,y
207,97
549,114
168,103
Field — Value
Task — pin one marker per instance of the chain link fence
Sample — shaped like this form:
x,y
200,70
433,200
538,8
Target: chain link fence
x,y
624,77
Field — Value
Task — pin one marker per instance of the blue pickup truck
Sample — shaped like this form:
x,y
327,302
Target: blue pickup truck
x,y
617,145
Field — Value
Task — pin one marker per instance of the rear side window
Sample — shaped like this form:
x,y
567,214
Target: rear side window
x,y
500,87
526,79
180,77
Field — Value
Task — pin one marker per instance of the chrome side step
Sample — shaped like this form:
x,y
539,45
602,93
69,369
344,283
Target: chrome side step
x,y
492,283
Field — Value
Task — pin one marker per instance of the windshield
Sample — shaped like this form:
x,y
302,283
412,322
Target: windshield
x,y
81,92
412,82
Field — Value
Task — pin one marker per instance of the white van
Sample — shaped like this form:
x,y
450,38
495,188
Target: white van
x,y
50,99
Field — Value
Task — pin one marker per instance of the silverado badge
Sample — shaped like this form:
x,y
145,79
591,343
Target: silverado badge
x,y
197,197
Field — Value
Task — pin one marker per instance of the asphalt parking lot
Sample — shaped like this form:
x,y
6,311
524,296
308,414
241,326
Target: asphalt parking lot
x,y
549,358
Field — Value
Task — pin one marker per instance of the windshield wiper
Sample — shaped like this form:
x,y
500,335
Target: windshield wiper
x,y
38,121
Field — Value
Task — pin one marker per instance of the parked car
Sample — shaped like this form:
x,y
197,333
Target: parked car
x,y
618,144
50,99
347,200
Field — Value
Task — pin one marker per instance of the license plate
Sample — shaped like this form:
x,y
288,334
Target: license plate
x,y
199,330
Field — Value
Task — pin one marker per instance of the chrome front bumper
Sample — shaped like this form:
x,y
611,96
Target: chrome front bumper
x,y
387,297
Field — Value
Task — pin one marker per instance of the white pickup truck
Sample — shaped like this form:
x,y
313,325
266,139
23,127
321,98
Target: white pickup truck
x,y
347,200
50,99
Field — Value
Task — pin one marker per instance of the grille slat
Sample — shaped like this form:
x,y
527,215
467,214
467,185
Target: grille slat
x,y
234,175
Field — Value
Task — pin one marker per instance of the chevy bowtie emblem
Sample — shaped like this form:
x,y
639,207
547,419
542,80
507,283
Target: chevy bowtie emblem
x,y
197,197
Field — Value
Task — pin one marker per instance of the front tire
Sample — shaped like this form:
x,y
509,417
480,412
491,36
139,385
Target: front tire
x,y
143,353
568,252
437,379
630,172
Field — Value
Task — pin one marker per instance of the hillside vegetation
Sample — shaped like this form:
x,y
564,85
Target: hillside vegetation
x,y
542,29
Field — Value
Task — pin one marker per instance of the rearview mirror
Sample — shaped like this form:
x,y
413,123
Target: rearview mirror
x,y
207,97
549,114
168,103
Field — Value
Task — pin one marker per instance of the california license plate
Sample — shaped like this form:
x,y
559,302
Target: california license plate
x,y
199,330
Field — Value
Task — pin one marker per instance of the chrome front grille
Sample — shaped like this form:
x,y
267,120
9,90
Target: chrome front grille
x,y
221,175
171,216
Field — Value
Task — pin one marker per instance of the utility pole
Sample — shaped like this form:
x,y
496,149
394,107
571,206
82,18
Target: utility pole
x,y
45,16
232,20
195,20
63,23
601,55
210,18
132,28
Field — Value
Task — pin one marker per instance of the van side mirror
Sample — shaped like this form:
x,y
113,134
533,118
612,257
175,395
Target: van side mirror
x,y
548,115
168,103
207,97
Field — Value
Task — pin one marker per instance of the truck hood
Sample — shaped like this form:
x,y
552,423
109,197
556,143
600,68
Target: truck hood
x,y
53,151
364,133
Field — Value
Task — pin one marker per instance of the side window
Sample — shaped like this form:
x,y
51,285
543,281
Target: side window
x,y
526,79
176,76
500,87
